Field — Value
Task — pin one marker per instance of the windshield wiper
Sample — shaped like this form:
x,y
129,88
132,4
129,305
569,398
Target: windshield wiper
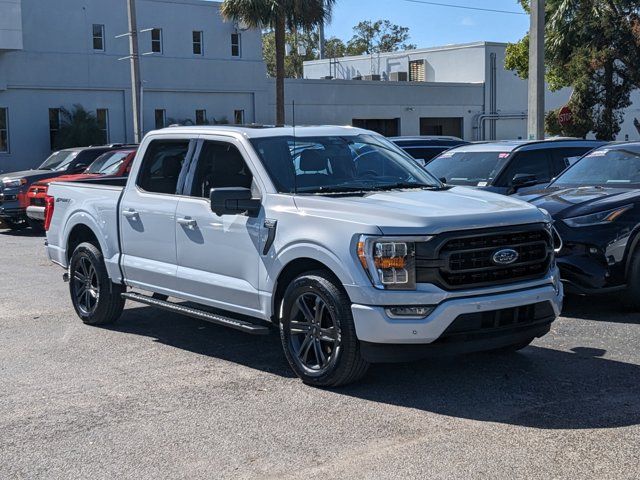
x,y
401,185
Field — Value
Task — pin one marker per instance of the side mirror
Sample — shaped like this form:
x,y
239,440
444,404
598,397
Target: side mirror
x,y
443,180
233,201
521,180
78,168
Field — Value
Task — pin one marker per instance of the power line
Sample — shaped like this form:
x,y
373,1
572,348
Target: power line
x,y
465,7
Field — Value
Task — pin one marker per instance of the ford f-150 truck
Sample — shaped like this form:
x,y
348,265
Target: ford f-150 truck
x,y
332,235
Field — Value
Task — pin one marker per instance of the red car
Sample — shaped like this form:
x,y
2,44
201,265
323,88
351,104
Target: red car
x,y
116,163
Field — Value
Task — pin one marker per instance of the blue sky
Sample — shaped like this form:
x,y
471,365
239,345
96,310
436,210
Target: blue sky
x,y
432,25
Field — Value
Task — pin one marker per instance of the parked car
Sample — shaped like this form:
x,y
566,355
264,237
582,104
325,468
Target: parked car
x,y
596,208
508,166
352,266
14,186
115,163
427,147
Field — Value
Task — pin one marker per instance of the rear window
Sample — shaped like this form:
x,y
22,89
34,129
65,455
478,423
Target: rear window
x,y
468,168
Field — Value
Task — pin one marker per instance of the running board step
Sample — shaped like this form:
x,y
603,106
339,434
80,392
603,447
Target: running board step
x,y
241,325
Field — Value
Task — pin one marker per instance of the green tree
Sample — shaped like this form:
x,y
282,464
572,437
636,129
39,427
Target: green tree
x,y
594,47
334,47
378,37
279,15
78,128
293,63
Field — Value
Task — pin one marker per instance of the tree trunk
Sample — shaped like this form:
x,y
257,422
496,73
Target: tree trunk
x,y
607,114
280,52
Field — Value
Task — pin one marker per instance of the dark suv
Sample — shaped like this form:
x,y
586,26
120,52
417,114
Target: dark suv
x,y
427,147
508,166
14,186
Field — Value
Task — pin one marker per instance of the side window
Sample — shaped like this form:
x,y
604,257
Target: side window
x,y
161,166
532,162
220,165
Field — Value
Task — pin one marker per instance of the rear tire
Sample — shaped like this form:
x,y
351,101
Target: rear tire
x,y
318,333
96,299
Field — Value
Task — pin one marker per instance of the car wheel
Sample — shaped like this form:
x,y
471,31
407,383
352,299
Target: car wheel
x,y
96,300
318,333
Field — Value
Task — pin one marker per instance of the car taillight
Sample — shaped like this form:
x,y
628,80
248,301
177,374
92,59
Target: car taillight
x,y
49,204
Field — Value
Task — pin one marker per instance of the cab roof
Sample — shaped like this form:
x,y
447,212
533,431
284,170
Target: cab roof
x,y
261,131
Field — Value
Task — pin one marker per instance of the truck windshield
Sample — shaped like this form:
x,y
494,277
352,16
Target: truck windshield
x,y
329,164
58,161
605,167
108,163
468,168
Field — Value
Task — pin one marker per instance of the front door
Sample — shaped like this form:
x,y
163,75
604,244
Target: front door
x,y
147,217
218,256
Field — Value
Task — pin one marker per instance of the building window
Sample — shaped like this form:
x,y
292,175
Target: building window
x,y
236,51
197,43
98,38
416,71
238,117
161,118
102,115
4,131
54,126
156,40
201,117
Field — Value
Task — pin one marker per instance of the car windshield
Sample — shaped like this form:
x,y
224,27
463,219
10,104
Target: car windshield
x,y
59,161
335,164
468,168
108,163
609,167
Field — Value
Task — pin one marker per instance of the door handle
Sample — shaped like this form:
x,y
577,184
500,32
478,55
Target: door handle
x,y
187,222
131,213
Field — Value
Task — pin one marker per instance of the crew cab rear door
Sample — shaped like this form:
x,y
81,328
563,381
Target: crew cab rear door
x,y
218,256
148,215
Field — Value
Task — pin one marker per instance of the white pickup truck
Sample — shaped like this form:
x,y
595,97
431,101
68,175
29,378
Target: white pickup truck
x,y
333,235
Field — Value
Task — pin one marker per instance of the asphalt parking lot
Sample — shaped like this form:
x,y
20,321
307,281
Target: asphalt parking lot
x,y
164,396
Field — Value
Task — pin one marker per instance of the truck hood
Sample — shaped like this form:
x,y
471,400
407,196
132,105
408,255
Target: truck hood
x,y
422,212
68,178
31,175
569,202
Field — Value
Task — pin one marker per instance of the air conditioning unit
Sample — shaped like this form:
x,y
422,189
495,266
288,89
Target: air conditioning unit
x,y
375,78
398,77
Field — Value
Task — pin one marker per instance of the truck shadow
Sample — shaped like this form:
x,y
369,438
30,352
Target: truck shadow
x,y
538,387
25,232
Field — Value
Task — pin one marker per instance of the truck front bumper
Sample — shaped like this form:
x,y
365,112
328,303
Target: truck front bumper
x,y
461,324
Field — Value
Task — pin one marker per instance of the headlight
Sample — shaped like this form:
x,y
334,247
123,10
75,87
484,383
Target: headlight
x,y
389,262
13,182
599,218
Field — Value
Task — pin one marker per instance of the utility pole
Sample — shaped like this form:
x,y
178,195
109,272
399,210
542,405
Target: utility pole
x,y
134,56
321,40
536,71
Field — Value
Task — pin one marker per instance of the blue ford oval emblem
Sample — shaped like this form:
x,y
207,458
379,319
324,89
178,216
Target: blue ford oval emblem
x,y
506,256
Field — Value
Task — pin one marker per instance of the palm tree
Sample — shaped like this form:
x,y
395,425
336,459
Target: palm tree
x,y
279,15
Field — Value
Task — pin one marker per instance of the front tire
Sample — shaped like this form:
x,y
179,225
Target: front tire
x,y
318,333
96,300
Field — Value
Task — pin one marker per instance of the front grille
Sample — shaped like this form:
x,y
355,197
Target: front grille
x,y
467,261
470,326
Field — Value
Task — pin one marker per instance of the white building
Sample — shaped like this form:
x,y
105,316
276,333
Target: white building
x,y
57,54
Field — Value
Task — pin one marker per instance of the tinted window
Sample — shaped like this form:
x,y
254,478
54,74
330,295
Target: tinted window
x,y
468,168
220,165
616,167
162,165
532,162
564,157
